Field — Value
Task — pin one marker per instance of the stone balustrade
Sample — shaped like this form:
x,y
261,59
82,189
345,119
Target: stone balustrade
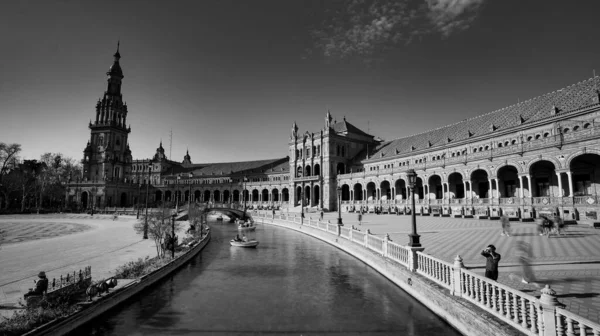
x,y
528,314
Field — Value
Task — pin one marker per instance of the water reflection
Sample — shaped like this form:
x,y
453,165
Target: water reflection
x,y
291,284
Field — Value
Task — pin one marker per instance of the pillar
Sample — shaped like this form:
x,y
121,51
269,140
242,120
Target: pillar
x,y
497,188
491,189
570,178
560,189
521,187
529,185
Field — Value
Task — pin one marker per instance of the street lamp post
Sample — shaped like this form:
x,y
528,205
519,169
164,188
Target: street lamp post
x,y
244,196
302,204
177,194
339,193
147,192
173,235
138,199
190,192
412,181
93,200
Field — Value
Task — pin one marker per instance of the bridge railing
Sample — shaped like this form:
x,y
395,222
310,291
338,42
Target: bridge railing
x,y
524,312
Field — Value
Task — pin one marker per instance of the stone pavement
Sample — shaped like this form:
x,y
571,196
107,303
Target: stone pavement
x,y
569,263
106,245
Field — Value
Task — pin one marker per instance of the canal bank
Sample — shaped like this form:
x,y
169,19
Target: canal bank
x,y
463,315
100,305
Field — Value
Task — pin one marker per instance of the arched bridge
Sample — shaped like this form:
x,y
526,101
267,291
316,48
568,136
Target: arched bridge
x,y
233,213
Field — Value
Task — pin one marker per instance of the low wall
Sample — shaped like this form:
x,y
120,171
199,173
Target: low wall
x,y
463,315
116,297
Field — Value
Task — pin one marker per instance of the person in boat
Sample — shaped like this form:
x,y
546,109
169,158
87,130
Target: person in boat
x,y
244,239
237,238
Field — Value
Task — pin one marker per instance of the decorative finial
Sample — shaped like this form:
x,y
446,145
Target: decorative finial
x,y
118,44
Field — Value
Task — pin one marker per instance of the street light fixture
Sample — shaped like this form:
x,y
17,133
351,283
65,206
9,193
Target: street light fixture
x,y
147,190
173,235
412,181
339,194
244,196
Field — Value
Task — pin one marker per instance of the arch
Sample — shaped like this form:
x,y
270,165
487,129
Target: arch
x,y
285,195
544,181
158,195
206,196
570,158
123,200
371,191
226,196
316,195
264,194
386,190
508,180
456,186
246,195
84,199
197,195
317,170
255,195
435,187
236,195
307,169
358,192
298,195
400,186
299,171
186,195
275,195
513,164
168,195
345,192
307,195
585,170
480,185
217,196
340,168
554,161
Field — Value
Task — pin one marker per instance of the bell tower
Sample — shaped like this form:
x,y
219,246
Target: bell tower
x,y
107,155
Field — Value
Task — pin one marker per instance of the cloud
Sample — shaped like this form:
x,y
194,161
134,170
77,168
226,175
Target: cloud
x,y
369,27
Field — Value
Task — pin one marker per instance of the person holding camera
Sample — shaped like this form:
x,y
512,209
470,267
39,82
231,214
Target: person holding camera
x,y
491,266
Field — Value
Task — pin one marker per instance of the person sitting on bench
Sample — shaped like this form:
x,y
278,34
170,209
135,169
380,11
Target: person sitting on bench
x,y
41,286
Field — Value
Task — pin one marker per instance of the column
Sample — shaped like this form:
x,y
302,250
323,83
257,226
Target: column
x,y
570,183
529,185
491,192
560,189
497,188
521,186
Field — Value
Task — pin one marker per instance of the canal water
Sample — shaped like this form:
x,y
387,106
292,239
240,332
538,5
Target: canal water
x,y
292,284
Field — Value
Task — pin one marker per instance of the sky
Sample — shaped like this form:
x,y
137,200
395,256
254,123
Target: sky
x,y
229,78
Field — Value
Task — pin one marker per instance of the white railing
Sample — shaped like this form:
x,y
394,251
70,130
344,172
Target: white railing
x,y
375,244
345,232
358,237
520,310
434,269
398,253
524,312
568,324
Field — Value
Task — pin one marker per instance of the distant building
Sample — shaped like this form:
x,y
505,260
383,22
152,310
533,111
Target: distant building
x,y
541,156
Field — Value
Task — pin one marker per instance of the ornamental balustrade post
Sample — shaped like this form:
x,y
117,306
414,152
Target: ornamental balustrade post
x,y
456,286
367,238
350,233
413,257
549,303
384,247
338,230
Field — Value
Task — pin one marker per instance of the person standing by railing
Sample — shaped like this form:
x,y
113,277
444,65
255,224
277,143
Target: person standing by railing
x,y
505,225
491,265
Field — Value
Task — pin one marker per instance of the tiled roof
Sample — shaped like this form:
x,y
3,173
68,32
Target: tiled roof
x,y
567,99
344,126
231,168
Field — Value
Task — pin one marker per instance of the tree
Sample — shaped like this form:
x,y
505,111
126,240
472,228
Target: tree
x,y
8,162
159,226
54,180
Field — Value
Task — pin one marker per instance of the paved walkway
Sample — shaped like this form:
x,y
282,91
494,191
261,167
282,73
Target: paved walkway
x,y
569,263
99,242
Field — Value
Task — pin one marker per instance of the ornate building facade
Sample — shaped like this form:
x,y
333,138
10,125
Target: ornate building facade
x,y
540,156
